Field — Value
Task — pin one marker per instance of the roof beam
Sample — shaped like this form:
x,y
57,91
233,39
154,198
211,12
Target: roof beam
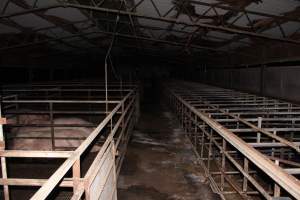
x,y
48,19
165,19
125,36
280,17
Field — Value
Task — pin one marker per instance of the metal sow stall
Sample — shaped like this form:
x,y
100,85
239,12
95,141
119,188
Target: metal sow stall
x,y
88,170
248,145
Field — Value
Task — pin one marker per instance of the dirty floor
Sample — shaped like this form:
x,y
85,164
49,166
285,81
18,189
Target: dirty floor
x,y
160,163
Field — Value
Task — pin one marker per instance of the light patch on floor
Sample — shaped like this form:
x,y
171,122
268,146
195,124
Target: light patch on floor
x,y
196,178
142,138
161,164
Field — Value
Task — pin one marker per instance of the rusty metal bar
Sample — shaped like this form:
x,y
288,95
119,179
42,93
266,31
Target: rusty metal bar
x,y
120,121
224,150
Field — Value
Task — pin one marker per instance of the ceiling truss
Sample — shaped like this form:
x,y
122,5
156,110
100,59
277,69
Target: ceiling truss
x,y
193,32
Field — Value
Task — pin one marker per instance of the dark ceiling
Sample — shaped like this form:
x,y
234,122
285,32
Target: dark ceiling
x,y
177,30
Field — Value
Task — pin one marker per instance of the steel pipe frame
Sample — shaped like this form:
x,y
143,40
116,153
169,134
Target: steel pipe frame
x,y
71,84
31,90
57,92
120,132
188,114
227,114
17,101
247,103
45,90
202,159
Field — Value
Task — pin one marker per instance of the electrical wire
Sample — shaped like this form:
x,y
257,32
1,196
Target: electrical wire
x,y
118,77
108,56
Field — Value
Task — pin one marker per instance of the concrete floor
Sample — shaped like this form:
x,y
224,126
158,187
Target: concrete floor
x,y
160,163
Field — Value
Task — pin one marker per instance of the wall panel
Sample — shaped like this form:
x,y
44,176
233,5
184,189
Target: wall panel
x,y
280,82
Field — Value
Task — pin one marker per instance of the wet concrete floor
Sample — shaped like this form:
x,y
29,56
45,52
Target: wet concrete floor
x,y
160,163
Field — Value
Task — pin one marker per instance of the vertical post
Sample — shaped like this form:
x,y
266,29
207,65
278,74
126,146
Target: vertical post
x,y
76,175
114,171
195,131
111,124
123,119
209,149
89,105
238,122
106,92
202,140
276,187
273,149
246,169
190,122
291,139
223,165
52,126
3,160
259,122
17,108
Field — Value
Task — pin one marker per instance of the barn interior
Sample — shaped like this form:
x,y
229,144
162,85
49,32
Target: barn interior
x,y
150,99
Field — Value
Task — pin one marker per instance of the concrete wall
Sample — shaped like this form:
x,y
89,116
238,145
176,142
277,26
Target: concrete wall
x,y
280,82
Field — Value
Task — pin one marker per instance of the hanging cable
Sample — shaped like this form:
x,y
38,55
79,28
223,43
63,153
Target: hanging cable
x,y
118,77
108,56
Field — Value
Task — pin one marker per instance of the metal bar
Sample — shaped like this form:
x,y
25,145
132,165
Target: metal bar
x,y
166,19
46,189
240,148
3,159
123,111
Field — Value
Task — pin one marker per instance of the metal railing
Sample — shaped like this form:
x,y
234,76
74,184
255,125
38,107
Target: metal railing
x,y
248,145
117,123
